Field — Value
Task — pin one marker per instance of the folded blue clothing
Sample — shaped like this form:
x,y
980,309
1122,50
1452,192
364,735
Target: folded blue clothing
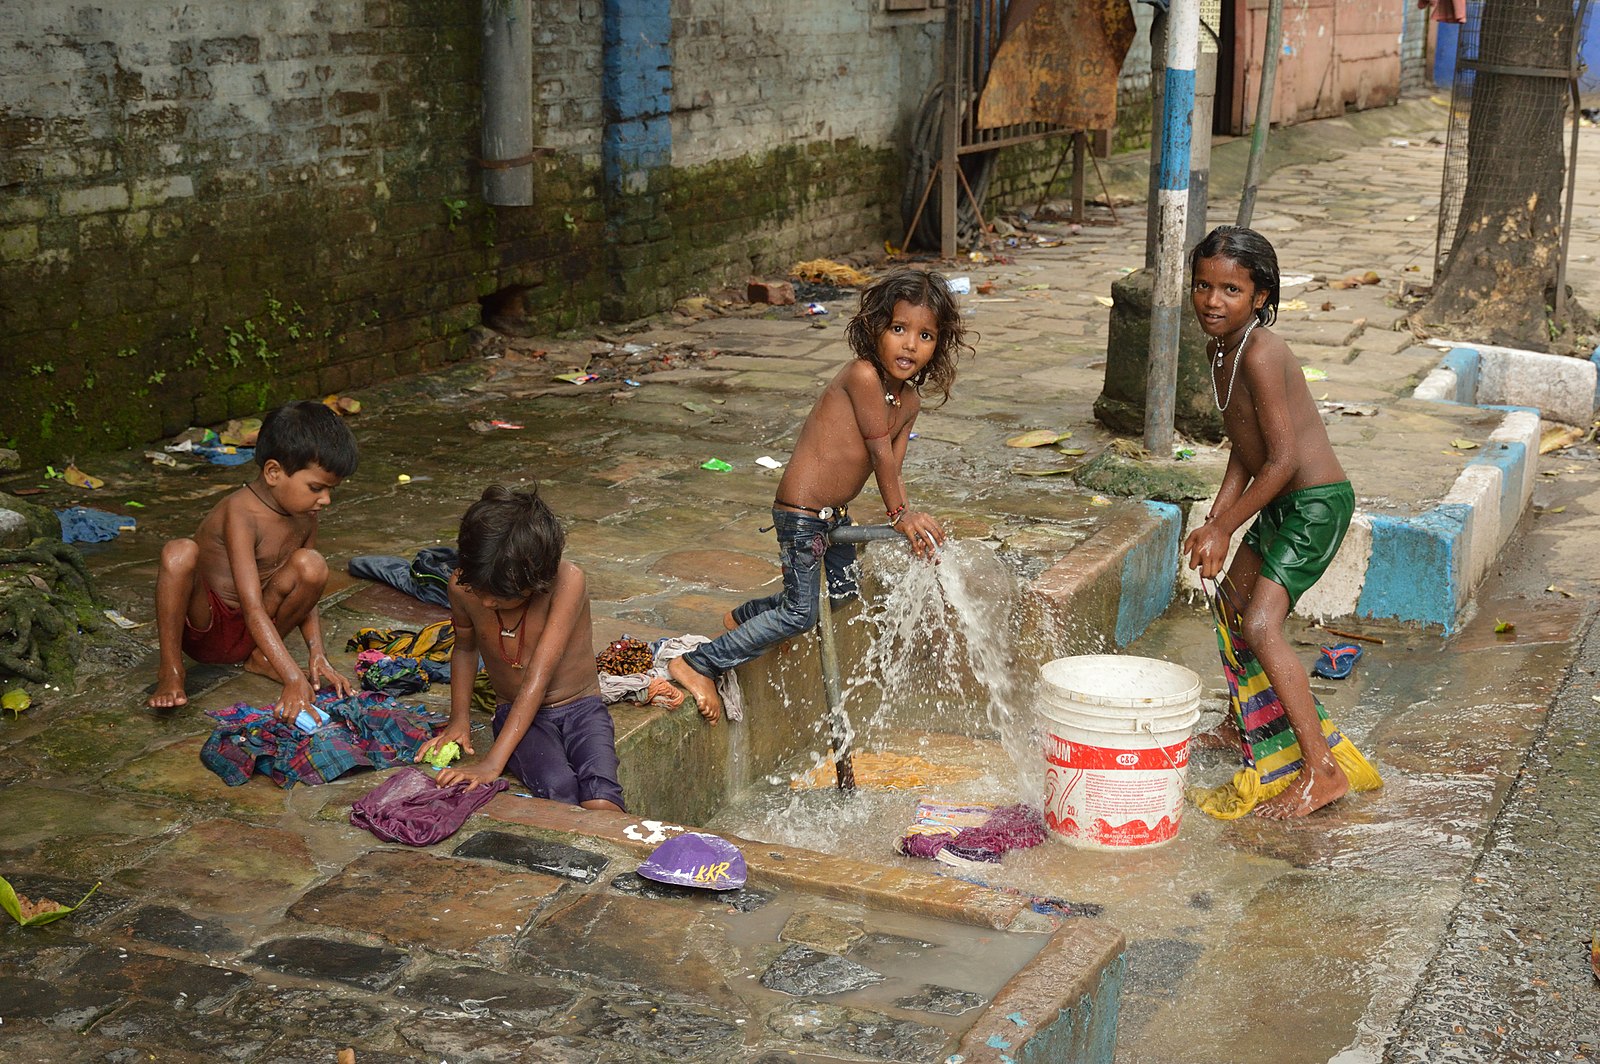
x,y
425,577
80,524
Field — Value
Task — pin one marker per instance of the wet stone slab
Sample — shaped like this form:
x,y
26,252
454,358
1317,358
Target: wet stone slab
x,y
366,967
161,1031
178,984
727,570
302,1048
620,942
283,1009
536,855
63,1007
498,996
167,926
820,931
944,1000
804,972
674,1032
438,902
870,1034
743,900
227,866
470,1040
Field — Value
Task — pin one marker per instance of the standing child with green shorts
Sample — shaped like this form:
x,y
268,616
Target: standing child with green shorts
x,y
1282,472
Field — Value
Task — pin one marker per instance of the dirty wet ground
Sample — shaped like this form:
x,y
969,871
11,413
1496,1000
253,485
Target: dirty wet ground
x,y
1419,922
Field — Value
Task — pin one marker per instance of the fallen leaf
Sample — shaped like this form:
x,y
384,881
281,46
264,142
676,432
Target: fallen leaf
x,y
1104,301
29,913
341,404
1559,437
1327,305
1072,452
16,701
1312,373
1293,304
1560,591
696,408
1370,277
986,288
1594,955
1099,500
1045,472
1033,288
1037,438
79,479
1463,445
1504,626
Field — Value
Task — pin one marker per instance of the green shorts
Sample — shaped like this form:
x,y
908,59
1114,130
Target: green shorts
x,y
1296,535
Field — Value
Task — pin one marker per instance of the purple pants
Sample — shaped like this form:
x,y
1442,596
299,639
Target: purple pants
x,y
569,753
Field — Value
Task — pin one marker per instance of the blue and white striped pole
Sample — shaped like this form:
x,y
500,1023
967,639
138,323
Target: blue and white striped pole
x,y
1166,304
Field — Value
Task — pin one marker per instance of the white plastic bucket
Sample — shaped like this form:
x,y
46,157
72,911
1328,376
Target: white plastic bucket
x,y
1116,748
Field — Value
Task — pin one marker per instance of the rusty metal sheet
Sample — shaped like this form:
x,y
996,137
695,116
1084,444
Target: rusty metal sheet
x,y
1060,65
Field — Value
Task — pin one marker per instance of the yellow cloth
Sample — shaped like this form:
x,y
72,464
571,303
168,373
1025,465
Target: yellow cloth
x,y
1240,795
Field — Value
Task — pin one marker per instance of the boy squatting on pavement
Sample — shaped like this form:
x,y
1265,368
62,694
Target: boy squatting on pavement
x,y
906,335
252,572
527,610
1282,471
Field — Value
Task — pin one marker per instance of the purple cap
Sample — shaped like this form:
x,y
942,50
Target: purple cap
x,y
694,859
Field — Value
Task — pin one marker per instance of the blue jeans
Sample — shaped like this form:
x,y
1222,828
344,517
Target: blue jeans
x,y
766,621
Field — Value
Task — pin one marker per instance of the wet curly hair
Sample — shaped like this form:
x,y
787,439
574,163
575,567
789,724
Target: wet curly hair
x,y
1250,250
920,288
510,543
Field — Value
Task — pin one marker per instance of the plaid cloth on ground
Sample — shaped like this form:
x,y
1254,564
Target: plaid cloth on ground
x,y
1268,747
365,730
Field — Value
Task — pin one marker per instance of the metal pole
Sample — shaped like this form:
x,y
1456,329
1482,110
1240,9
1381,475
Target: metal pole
x,y
1166,303
1152,199
950,137
838,725
832,688
1258,132
1080,141
507,72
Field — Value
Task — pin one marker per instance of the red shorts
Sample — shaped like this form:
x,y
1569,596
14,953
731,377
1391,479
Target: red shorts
x,y
225,641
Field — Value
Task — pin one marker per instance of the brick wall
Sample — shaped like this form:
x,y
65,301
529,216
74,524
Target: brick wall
x,y
209,207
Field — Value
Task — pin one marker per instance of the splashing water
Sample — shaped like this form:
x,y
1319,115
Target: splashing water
x,y
942,656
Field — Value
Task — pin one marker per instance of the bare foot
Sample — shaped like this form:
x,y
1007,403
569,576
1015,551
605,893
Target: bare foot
x,y
1224,736
728,622
169,689
702,687
257,663
1305,795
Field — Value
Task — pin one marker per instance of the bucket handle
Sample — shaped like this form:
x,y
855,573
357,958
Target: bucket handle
x,y
1149,728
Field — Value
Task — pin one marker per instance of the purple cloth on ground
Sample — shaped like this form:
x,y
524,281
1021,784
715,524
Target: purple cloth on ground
x,y
410,807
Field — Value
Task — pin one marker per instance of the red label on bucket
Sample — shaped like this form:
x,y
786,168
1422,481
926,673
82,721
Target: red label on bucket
x,y
1068,754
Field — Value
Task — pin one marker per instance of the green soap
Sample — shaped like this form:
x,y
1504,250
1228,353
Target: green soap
x,y
440,756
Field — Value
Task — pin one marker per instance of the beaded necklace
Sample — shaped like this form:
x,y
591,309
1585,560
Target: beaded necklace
x,y
1238,356
517,630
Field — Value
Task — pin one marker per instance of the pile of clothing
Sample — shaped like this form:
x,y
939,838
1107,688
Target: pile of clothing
x,y
362,730
964,836
648,682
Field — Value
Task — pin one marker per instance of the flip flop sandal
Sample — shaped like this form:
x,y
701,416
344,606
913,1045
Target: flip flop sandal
x,y
1337,661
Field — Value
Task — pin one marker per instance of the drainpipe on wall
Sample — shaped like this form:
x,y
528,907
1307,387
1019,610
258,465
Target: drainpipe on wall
x,y
507,71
